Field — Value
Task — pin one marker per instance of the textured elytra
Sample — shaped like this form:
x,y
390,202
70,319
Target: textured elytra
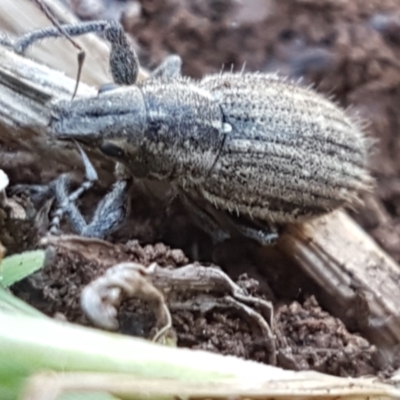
x,y
253,144
292,154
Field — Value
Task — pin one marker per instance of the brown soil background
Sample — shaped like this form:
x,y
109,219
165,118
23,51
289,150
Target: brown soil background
x,y
348,50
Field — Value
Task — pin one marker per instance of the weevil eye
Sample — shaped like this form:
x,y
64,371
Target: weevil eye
x,y
107,87
111,149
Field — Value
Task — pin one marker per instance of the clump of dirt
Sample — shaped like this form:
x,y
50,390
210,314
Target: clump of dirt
x,y
310,338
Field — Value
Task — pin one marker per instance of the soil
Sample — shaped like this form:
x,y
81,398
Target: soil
x,y
349,50
306,336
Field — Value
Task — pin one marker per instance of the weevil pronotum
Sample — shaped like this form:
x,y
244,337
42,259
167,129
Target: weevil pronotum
x,y
246,152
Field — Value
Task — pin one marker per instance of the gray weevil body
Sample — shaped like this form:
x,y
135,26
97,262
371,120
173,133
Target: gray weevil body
x,y
252,144
255,148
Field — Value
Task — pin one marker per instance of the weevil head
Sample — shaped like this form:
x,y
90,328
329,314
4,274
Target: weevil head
x,y
114,121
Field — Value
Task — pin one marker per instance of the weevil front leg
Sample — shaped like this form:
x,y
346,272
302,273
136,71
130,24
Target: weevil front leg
x,y
109,213
60,189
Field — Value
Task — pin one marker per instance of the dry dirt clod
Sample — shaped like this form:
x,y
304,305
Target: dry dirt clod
x,y
309,338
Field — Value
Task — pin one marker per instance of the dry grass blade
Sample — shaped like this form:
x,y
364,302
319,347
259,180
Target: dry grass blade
x,y
280,385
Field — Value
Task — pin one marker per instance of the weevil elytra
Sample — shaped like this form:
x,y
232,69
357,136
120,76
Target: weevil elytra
x,y
246,151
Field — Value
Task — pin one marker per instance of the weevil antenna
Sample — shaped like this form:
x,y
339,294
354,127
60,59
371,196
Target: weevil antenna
x,y
81,55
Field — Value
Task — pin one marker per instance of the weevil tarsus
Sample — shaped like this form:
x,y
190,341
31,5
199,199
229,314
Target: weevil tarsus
x,y
261,235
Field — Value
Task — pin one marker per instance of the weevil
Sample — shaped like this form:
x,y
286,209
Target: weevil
x,y
246,152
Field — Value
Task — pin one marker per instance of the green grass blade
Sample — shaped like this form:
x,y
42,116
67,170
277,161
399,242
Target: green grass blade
x,y
17,267
29,345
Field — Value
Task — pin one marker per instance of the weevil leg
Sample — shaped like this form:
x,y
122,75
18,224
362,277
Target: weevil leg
x,y
108,216
202,219
60,188
41,192
109,213
65,199
221,225
169,68
124,64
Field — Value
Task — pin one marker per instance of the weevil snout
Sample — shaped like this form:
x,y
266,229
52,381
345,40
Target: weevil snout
x,y
114,114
